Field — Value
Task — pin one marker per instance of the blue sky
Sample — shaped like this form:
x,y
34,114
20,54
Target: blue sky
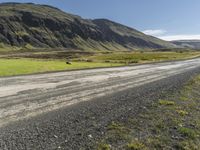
x,y
166,19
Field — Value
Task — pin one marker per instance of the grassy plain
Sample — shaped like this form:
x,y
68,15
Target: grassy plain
x,y
142,57
25,62
11,67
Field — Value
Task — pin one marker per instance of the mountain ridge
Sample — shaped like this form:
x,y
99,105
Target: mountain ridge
x,y
192,44
43,26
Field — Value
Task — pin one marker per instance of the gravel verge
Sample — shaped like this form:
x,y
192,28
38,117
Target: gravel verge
x,y
82,125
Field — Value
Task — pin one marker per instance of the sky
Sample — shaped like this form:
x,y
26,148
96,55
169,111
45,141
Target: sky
x,y
166,19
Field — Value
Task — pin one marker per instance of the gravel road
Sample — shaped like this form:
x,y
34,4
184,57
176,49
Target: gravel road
x,y
69,110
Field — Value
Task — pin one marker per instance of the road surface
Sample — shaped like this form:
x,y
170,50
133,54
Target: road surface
x,y
71,110
23,97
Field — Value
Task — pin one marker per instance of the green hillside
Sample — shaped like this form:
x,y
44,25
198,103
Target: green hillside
x,y
40,26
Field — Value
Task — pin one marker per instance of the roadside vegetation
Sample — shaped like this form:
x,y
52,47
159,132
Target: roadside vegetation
x,y
10,67
25,61
171,123
142,57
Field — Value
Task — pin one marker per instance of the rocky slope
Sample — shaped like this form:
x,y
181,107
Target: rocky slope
x,y
194,44
30,25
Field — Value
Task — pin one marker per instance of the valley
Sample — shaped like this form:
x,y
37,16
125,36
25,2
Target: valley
x,y
84,83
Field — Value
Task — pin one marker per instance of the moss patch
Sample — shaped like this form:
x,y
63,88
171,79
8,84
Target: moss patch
x,y
136,145
166,102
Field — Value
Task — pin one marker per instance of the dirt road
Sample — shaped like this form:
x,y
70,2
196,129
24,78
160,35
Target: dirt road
x,y
26,96
71,110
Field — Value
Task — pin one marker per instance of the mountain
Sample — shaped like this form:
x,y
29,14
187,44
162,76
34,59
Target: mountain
x,y
194,44
42,26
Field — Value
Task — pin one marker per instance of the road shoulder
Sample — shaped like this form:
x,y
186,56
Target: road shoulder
x,y
86,124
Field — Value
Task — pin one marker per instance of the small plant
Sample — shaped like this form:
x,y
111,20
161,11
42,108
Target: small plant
x,y
89,60
134,62
115,126
107,61
136,145
160,124
182,112
28,46
21,33
166,102
103,147
187,145
187,132
117,132
118,128
182,98
155,143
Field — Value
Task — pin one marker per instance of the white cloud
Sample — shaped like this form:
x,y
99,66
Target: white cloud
x,y
180,37
154,32
162,34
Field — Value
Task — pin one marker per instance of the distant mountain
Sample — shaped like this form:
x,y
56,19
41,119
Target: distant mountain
x,y
31,25
194,44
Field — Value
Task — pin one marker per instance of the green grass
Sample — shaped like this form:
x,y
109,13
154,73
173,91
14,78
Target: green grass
x,y
6,49
166,102
11,67
190,133
142,57
103,147
182,112
136,145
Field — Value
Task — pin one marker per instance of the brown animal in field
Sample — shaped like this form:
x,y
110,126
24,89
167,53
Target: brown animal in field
x,y
68,63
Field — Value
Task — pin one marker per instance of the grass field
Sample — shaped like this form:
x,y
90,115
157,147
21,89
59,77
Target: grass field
x,y
10,67
142,57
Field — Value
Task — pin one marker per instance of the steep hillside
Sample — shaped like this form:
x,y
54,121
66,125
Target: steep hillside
x,y
30,25
194,44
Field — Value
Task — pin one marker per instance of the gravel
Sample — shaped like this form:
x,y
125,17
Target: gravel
x,y
81,126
